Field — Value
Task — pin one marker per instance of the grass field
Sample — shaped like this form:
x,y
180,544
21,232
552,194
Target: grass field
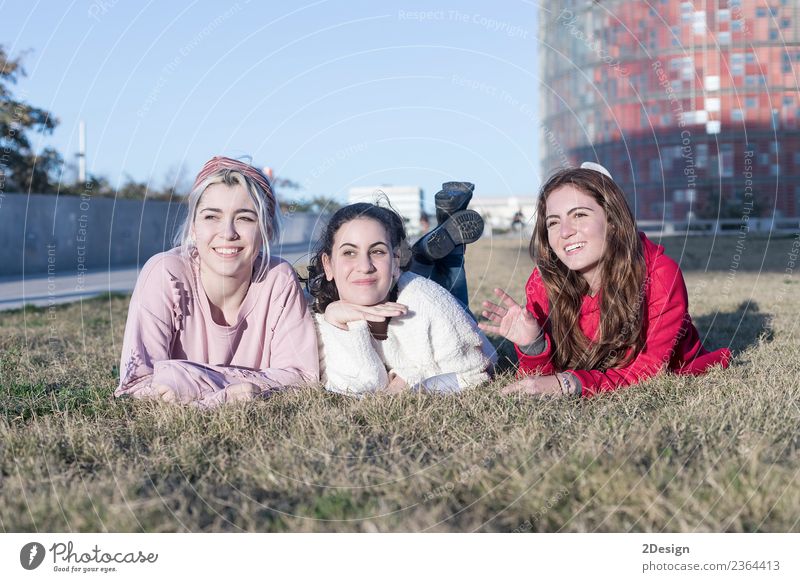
x,y
716,453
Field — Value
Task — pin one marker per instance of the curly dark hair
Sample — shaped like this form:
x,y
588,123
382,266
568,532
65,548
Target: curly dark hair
x,y
323,291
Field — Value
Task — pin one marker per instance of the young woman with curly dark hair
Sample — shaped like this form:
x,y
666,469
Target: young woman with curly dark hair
x,y
382,328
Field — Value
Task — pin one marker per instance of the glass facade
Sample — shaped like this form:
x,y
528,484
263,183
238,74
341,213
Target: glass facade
x,y
692,106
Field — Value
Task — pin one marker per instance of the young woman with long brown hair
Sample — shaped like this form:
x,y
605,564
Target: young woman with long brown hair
x,y
605,306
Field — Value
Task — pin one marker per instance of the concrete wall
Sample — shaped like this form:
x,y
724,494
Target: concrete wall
x,y
41,232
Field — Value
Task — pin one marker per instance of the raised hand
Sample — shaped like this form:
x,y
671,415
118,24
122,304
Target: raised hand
x,y
510,320
340,313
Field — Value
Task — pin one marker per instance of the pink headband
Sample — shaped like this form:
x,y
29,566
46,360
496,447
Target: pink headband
x,y
218,163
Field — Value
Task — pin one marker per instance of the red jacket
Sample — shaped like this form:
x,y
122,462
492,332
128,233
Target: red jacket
x,y
672,340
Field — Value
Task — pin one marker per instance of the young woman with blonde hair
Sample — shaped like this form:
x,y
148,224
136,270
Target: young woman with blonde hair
x,y
219,318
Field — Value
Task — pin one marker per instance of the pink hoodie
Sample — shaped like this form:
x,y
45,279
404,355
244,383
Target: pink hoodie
x,y
171,339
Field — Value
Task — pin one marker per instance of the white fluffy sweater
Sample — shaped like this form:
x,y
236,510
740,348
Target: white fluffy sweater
x,y
435,338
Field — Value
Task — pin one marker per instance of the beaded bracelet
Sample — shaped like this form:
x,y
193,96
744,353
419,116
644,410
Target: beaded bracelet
x,y
565,382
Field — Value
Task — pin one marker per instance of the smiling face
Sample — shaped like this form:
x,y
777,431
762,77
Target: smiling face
x,y
576,231
226,231
362,263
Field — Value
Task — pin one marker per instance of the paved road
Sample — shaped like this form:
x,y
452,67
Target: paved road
x,y
43,291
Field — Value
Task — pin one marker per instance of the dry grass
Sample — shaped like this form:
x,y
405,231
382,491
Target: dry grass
x,y
717,453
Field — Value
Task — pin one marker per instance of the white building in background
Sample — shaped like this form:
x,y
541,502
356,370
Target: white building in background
x,y
499,212
406,200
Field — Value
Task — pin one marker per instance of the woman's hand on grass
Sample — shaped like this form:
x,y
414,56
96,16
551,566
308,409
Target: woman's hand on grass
x,y
340,313
155,391
242,391
534,386
510,320
396,385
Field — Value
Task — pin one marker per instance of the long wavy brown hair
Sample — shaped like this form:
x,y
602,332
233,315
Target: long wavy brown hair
x,y
623,278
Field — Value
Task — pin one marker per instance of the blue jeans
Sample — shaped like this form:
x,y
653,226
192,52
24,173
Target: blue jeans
x,y
447,272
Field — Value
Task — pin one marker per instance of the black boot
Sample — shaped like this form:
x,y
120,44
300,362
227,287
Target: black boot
x,y
453,196
460,228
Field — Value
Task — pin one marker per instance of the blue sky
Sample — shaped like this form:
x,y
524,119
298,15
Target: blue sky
x,y
331,94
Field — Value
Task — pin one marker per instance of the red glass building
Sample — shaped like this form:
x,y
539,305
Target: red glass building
x,y
692,106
